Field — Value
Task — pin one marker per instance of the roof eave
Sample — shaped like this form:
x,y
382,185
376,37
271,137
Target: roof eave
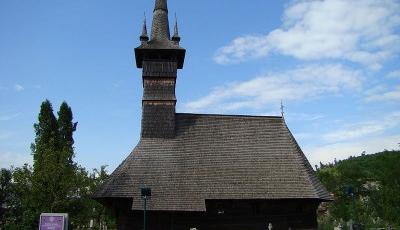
x,y
142,52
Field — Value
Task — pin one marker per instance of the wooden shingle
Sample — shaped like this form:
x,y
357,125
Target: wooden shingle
x,y
216,157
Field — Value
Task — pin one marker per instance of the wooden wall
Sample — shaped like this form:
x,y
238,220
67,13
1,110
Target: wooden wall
x,y
225,215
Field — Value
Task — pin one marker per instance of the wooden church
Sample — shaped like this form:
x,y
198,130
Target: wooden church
x,y
206,172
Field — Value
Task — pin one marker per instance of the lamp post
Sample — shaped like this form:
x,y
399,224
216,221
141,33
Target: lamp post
x,y
146,194
350,192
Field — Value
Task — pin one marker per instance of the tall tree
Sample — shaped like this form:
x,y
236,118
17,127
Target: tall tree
x,y
46,159
66,129
53,166
46,140
67,168
55,183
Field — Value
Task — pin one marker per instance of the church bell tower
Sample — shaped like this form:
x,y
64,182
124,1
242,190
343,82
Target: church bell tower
x,y
159,56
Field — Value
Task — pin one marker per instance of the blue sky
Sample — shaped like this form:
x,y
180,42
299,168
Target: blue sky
x,y
334,63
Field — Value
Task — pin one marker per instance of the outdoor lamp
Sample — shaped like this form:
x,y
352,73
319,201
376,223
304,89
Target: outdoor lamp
x,y
146,194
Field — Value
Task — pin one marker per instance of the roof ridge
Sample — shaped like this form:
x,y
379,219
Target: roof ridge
x,y
228,115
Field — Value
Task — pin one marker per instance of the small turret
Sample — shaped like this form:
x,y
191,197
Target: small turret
x,y
144,38
176,38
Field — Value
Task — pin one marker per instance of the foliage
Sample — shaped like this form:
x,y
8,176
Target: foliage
x,y
55,183
5,182
87,208
20,213
49,185
375,179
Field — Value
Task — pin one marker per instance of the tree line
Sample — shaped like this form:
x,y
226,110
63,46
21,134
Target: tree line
x,y
366,190
55,183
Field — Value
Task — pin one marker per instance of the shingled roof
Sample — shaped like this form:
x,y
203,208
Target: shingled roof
x,y
216,157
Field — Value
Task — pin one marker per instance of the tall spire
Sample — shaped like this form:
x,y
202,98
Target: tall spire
x,y
161,5
144,37
160,27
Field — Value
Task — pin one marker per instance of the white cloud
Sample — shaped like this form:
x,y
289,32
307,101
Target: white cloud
x,y
309,81
18,88
394,74
8,159
343,150
361,31
351,140
304,117
304,136
243,48
355,131
363,129
390,95
5,135
9,117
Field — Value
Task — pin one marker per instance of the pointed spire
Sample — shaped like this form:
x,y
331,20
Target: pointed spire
x,y
176,38
160,27
144,37
176,32
161,5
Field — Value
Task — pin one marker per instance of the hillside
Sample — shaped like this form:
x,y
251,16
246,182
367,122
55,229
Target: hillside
x,y
366,189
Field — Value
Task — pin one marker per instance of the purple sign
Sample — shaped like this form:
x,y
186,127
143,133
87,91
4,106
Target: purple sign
x,y
51,223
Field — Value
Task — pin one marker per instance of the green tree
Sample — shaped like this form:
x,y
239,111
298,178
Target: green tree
x,y
46,161
84,207
101,215
20,213
53,166
66,165
375,180
55,183
5,189
66,130
5,183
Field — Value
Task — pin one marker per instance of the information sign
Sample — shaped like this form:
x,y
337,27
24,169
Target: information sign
x,y
52,221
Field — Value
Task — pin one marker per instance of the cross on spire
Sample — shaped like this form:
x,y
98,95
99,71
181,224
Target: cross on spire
x,y
282,109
